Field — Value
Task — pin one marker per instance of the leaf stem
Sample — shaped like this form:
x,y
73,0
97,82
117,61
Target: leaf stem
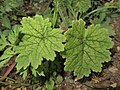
x,y
8,71
98,9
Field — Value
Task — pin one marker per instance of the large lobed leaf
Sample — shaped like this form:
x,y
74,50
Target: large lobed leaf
x,y
39,41
86,49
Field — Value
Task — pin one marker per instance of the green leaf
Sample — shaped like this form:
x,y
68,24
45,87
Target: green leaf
x,y
49,84
14,34
7,42
6,22
35,72
8,53
81,5
10,4
40,41
3,42
11,35
86,49
23,62
105,24
59,79
24,73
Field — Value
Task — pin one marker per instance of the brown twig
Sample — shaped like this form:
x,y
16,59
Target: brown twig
x,y
8,71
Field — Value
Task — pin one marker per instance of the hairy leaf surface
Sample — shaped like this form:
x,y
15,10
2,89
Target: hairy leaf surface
x,y
86,49
39,41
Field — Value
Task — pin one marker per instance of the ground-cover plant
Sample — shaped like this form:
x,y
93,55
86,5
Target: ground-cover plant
x,y
85,49
38,42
